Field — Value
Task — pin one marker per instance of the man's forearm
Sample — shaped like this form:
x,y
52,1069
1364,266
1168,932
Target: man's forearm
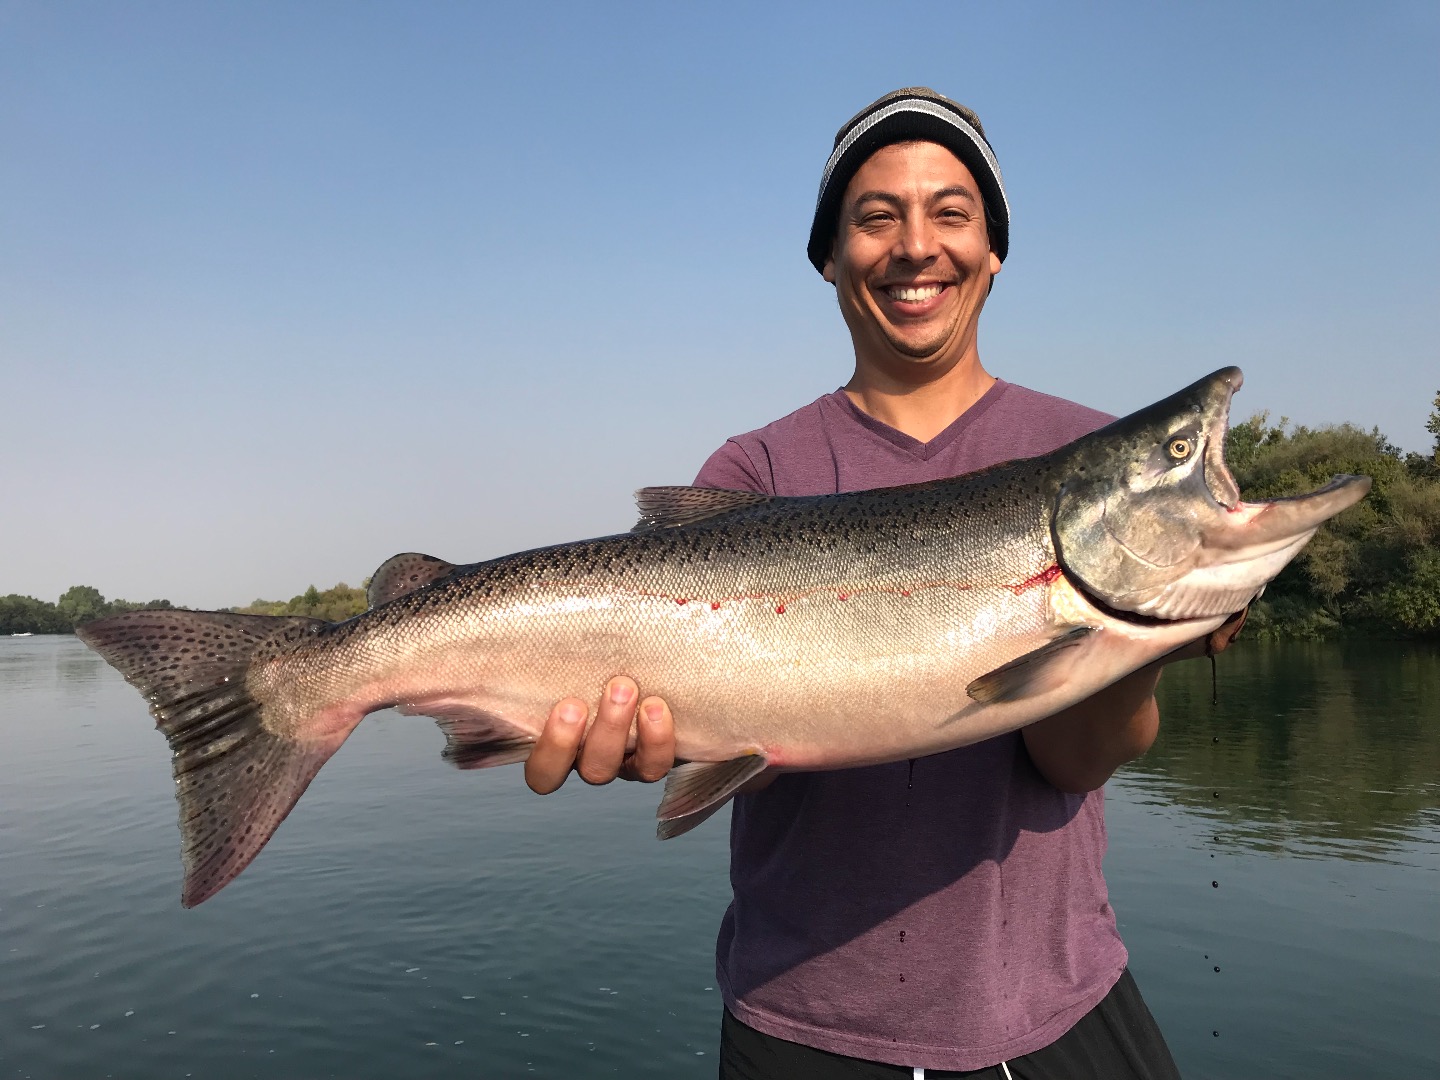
x,y
1079,748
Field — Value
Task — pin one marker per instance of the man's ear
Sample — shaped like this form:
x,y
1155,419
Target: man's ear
x,y
995,264
828,270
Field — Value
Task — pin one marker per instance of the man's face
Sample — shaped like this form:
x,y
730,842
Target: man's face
x,y
912,262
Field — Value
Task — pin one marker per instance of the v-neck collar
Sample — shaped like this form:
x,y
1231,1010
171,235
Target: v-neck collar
x,y
921,451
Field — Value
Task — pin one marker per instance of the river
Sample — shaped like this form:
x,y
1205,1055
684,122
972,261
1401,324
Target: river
x,y
1274,862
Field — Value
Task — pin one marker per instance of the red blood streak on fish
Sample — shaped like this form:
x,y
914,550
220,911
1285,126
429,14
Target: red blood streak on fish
x,y
779,609
844,596
680,599
1045,577
904,592
714,605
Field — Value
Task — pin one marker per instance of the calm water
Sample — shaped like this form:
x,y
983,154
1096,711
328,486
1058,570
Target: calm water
x,y
413,920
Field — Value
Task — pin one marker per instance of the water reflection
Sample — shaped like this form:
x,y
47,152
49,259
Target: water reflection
x,y
1312,749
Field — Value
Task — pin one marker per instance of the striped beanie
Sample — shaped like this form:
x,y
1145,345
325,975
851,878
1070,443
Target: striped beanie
x,y
915,113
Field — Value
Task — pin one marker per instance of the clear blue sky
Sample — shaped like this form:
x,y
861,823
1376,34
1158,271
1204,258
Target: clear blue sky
x,y
287,288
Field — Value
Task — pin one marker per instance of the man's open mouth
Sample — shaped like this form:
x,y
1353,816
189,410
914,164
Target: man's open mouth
x,y
913,293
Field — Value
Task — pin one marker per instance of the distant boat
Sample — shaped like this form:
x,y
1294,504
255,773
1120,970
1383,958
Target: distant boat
x,y
27,633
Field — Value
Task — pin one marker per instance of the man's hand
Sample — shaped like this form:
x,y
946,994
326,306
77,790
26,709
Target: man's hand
x,y
1217,641
1079,748
606,750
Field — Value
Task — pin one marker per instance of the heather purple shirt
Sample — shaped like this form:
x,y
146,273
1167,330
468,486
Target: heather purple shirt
x,y
949,912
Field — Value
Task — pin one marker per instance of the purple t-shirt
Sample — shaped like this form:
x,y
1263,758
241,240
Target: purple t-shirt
x,y
948,912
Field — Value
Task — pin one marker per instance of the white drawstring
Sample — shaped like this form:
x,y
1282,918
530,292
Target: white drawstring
x,y
919,1073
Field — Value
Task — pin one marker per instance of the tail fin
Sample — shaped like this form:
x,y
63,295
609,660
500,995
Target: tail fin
x,y
236,777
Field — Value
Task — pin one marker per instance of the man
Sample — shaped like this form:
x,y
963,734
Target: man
x,y
946,914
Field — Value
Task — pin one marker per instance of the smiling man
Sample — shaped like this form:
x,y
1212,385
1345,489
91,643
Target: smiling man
x,y
946,916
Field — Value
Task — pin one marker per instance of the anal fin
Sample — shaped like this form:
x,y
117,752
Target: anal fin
x,y
1037,672
696,789
474,738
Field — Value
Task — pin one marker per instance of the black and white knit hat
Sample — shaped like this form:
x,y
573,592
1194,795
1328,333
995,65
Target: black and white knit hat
x,y
915,113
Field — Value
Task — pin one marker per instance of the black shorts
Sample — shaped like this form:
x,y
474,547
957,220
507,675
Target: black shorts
x,y
1116,1040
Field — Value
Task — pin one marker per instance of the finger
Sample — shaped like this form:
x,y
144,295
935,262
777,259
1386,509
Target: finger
x,y
553,756
609,737
655,743
1224,637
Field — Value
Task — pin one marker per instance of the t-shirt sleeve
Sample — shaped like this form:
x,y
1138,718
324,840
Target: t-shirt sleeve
x,y
731,468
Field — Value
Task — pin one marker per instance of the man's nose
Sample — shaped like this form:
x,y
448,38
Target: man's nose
x,y
918,240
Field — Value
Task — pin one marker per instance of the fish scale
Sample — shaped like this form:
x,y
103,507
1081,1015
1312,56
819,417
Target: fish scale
x,y
784,633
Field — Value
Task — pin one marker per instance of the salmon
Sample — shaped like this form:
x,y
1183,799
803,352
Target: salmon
x,y
785,633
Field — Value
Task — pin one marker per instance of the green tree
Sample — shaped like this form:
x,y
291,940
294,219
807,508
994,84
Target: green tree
x,y
1376,567
81,603
26,615
336,604
1433,426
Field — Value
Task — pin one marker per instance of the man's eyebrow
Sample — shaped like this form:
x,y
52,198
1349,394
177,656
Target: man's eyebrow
x,y
876,196
955,191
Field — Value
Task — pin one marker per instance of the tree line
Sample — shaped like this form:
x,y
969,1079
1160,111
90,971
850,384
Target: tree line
x,y
78,604
1374,570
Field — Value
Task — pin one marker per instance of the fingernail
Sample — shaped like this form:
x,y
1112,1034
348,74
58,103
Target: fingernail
x,y
654,712
620,693
570,713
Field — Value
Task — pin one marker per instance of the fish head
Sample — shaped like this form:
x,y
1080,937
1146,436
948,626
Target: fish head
x,y
1149,519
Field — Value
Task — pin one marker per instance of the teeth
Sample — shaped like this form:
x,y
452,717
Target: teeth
x,y
923,292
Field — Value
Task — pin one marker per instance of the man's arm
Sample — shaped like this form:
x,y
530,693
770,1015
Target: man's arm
x,y
1081,747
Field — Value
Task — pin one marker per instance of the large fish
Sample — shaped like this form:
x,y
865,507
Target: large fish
x,y
794,633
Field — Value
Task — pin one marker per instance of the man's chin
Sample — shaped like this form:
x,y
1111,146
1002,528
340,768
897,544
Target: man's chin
x,y
920,349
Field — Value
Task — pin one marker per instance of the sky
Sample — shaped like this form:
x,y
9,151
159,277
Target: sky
x,y
287,288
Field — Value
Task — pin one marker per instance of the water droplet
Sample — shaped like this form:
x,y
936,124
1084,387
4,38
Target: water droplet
x,y
1217,967
1214,884
1215,1033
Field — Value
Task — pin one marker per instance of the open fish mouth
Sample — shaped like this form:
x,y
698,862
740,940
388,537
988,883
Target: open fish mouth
x,y
1217,475
1157,526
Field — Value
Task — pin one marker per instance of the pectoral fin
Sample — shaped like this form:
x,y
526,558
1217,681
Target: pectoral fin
x,y
696,789
1037,672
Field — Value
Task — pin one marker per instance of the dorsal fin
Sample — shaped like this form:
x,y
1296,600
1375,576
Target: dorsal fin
x,y
667,507
403,574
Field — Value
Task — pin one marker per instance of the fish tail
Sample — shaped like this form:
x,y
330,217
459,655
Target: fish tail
x,y
237,772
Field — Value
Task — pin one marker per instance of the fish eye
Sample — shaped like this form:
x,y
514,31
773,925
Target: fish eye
x,y
1180,448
